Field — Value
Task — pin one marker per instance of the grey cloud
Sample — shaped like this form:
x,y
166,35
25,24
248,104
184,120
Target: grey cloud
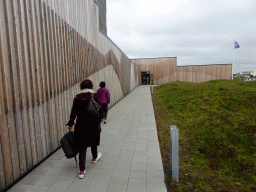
x,y
202,39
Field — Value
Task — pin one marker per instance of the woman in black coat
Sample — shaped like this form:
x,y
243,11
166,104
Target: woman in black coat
x,y
87,133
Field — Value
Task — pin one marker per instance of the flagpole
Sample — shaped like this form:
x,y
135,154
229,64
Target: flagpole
x,y
233,62
235,47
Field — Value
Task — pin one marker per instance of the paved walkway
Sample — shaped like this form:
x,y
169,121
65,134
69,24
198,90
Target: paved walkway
x,y
131,159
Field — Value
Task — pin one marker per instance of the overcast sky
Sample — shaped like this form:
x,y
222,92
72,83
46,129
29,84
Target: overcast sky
x,y
197,32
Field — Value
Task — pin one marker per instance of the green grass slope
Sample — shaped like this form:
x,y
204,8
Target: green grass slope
x,y
217,127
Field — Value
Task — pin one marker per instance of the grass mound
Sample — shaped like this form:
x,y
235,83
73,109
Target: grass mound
x,y
217,125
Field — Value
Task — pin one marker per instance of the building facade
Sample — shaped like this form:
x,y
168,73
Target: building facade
x,y
163,70
47,47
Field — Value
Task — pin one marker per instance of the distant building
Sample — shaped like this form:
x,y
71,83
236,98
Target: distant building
x,y
246,73
253,72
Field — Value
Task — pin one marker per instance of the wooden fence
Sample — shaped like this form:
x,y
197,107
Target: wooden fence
x,y
46,49
165,70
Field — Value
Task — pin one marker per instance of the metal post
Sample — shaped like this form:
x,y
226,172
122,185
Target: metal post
x,y
151,88
174,152
238,75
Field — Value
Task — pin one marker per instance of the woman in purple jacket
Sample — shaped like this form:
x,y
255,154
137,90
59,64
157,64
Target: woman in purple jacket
x,y
104,98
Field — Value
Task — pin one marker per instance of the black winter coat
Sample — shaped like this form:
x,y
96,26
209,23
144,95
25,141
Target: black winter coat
x,y
87,133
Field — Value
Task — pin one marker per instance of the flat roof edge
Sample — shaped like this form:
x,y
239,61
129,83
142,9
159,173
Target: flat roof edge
x,y
153,58
204,65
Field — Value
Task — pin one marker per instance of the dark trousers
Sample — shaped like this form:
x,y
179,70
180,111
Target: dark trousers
x,y
82,156
105,109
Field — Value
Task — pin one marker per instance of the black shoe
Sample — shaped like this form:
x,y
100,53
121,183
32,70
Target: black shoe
x,y
105,122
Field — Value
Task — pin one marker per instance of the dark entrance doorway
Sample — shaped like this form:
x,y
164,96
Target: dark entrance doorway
x,y
145,78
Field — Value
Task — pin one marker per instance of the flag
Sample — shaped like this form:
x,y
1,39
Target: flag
x,y
236,45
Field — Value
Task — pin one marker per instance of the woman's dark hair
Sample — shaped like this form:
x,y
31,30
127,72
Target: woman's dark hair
x,y
86,84
102,84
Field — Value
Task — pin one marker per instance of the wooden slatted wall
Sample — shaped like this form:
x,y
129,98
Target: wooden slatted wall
x,y
47,47
202,73
165,70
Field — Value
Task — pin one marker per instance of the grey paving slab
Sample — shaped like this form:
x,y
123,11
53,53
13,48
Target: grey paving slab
x,y
138,174
154,159
122,173
140,148
156,184
113,153
116,190
118,183
47,180
109,158
131,153
136,190
155,174
30,180
40,170
153,143
137,184
139,165
155,166
81,183
57,155
108,164
20,188
89,164
58,188
131,159
129,143
64,180
100,182
125,158
38,188
90,172
49,162
57,171
139,158
123,165
128,148
105,172
96,190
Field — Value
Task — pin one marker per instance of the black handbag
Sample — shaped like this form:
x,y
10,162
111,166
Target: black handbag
x,y
94,110
69,145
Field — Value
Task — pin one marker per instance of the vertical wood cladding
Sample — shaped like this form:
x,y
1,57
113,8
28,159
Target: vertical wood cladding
x,y
165,70
202,73
47,47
